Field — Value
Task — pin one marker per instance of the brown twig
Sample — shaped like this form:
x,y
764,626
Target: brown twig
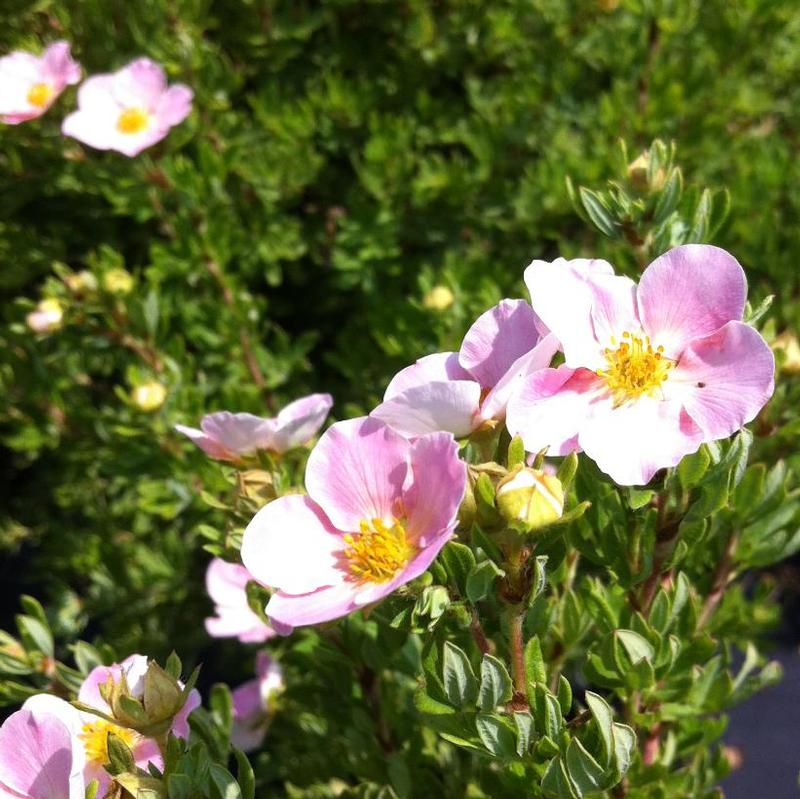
x,y
721,578
479,635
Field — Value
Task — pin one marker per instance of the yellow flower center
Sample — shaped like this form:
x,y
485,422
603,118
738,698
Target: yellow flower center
x,y
378,552
95,739
634,368
40,94
132,120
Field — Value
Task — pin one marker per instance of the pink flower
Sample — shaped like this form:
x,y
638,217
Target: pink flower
x,y
226,584
252,704
128,110
30,84
37,757
460,391
651,372
231,436
379,509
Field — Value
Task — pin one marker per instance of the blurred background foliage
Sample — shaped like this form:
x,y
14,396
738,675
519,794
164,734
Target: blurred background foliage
x,y
343,159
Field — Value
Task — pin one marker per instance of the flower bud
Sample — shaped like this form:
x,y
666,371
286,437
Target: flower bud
x,y
149,396
118,281
638,173
439,298
787,342
83,282
531,497
47,317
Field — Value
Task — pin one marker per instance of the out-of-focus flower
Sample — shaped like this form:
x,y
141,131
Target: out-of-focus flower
x,y
83,282
38,759
787,343
149,396
459,392
128,110
253,704
231,436
118,281
532,497
226,584
651,372
379,509
47,317
439,298
30,84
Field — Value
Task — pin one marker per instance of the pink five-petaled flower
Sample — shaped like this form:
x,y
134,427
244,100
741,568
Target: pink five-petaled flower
x,y
230,436
379,509
128,110
651,372
226,584
30,84
460,391
252,704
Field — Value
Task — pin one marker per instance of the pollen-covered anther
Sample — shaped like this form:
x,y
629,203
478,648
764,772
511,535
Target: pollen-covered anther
x,y
634,368
40,94
133,120
379,552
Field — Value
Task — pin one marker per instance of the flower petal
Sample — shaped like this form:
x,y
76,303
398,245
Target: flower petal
x,y
357,471
289,544
689,292
724,380
140,84
174,105
300,421
227,586
630,443
497,338
451,406
439,480
293,610
439,367
239,433
614,309
212,448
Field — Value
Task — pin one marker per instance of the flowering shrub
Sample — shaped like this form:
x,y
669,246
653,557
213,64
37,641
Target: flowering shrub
x,y
534,562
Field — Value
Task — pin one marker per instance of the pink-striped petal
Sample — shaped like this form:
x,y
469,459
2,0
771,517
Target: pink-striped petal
x,y
298,610
441,367
300,421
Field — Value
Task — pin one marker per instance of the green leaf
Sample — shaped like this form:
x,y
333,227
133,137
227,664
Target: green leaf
x,y
603,718
496,686
179,786
458,677
598,213
119,755
692,468
484,489
245,775
637,647
586,773
556,782
670,196
496,735
481,580
524,723
553,720
535,671
567,469
458,561
516,453
223,785
564,694
624,746
36,635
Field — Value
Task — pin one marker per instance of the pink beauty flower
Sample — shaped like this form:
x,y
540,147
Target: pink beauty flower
x,y
128,110
651,372
30,84
37,757
379,509
231,436
252,704
460,391
226,584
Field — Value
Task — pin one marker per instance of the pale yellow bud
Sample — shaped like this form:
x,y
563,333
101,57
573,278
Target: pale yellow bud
x,y
787,342
118,281
531,497
81,282
47,317
149,396
638,174
439,298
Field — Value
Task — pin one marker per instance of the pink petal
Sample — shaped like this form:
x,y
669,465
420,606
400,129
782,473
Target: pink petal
x,y
614,309
226,584
723,380
180,726
174,105
690,292
441,367
497,338
357,471
59,65
632,442
550,406
134,668
439,480
36,757
452,406
146,751
249,716
300,421
239,433
290,545
494,406
140,84
208,445
289,611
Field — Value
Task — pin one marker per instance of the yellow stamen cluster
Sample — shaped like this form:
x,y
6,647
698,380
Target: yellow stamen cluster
x,y
95,739
132,120
40,94
635,368
378,552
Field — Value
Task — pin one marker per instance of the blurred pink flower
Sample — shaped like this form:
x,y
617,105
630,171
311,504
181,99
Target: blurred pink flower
x,y
47,317
651,372
230,436
379,509
128,110
457,392
226,584
252,704
30,84
37,757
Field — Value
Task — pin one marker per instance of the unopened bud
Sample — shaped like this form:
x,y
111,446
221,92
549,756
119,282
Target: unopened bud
x,y
149,396
787,343
81,282
531,497
638,173
47,317
439,298
118,281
